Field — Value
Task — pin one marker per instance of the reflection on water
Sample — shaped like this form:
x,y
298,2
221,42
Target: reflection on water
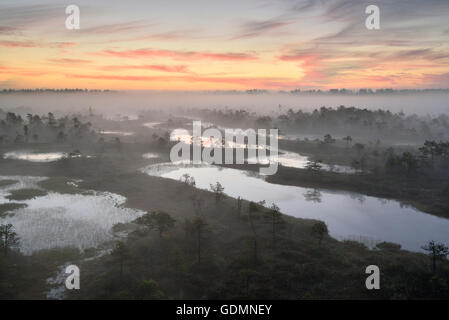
x,y
35,157
150,155
295,160
346,214
285,158
152,124
185,136
313,195
64,220
159,169
118,133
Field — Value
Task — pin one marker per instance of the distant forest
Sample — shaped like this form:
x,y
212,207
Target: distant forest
x,y
48,128
66,90
341,121
339,91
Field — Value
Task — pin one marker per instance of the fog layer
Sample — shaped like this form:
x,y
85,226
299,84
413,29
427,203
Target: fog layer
x,y
131,103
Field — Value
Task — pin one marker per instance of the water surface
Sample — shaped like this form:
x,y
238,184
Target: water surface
x,y
35,156
81,220
151,155
348,215
118,133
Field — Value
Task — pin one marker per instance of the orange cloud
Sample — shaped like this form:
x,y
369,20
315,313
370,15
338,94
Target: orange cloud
x,y
69,61
297,57
148,53
31,44
241,81
21,72
164,68
17,44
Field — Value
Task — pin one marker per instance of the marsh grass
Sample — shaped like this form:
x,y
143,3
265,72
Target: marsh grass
x,y
6,208
25,194
297,268
60,185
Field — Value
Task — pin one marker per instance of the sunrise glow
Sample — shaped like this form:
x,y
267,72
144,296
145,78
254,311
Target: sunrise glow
x,y
212,45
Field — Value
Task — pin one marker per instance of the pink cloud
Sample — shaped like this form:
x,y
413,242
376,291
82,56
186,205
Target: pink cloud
x,y
164,68
149,53
245,81
17,44
32,44
68,61
21,72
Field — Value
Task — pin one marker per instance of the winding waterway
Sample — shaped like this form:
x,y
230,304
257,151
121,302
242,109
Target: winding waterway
x,y
348,215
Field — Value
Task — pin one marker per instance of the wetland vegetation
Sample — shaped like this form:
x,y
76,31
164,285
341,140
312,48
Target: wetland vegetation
x,y
140,227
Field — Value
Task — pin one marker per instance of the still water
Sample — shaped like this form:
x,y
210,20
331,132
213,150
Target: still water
x,y
82,221
285,158
348,215
35,156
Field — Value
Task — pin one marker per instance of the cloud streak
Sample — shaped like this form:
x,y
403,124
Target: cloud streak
x,y
180,55
114,28
65,61
249,82
32,44
24,16
313,44
163,68
252,29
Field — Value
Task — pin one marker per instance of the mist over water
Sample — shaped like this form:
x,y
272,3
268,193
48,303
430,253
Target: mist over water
x,y
132,102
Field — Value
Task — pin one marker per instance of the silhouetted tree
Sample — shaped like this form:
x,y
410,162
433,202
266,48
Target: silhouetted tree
x,y
328,139
348,139
120,253
437,251
319,229
188,180
160,221
314,166
8,238
253,208
239,205
274,218
218,190
118,144
25,132
51,120
197,227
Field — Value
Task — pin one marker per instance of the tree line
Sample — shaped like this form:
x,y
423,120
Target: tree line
x,y
34,128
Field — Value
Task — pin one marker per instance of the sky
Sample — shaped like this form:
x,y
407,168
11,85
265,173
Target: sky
x,y
224,45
